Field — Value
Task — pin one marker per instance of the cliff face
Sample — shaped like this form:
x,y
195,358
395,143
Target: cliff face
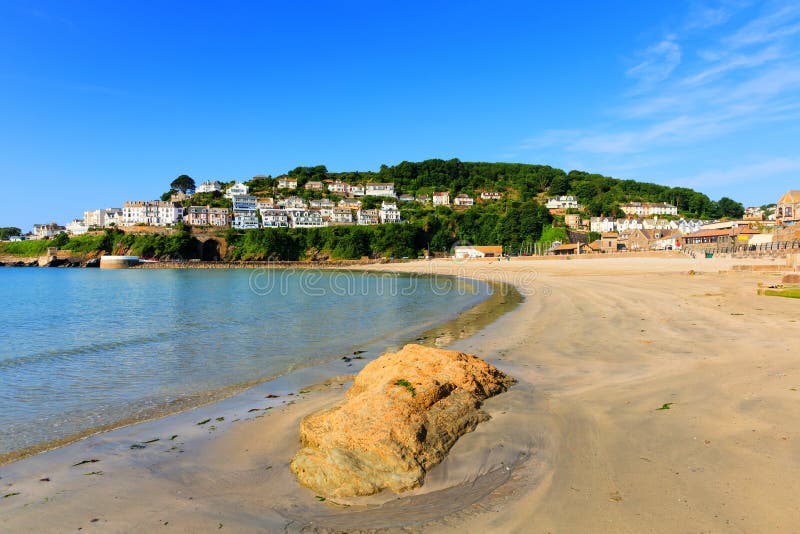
x,y
400,418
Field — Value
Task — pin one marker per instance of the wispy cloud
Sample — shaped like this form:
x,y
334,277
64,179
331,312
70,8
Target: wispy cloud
x,y
656,63
742,173
694,85
704,16
767,28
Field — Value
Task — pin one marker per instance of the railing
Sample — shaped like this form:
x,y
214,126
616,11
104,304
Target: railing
x,y
761,249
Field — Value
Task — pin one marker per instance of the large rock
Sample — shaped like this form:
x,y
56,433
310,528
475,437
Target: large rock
x,y
401,416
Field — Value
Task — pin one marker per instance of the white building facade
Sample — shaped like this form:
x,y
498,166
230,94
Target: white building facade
x,y
379,190
563,203
237,189
209,187
274,218
151,213
441,199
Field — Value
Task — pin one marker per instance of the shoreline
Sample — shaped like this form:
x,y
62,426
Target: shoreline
x,y
596,347
500,299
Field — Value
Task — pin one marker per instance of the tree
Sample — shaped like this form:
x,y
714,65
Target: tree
x,y
7,232
730,208
183,183
559,186
60,240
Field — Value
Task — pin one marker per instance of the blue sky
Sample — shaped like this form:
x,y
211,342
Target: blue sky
x,y
102,102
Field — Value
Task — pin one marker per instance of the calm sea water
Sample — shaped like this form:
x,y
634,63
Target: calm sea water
x,y
86,347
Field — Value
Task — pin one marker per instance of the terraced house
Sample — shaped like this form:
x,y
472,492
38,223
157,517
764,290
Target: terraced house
x,y
379,190
306,219
151,213
274,218
208,216
244,212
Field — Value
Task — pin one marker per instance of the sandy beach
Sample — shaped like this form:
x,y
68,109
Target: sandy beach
x,y
577,445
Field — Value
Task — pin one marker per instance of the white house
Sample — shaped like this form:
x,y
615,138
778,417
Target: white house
x,y
357,191
274,218
244,212
406,198
266,203
103,218
646,209
245,203
339,188
424,199
366,217
293,203
324,206
624,225
379,190
245,220
341,216
322,203
209,187
563,203
654,223
471,252
389,213
306,219
46,231
691,226
151,213
236,189
602,225
350,203
490,195
77,227
314,186
441,199
285,182
463,200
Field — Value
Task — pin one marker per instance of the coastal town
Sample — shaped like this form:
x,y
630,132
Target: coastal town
x,y
645,226
414,267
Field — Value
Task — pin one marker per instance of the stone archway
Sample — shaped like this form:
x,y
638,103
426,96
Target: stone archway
x,y
210,250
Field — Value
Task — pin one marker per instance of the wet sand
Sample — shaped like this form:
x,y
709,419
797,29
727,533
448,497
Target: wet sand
x,y
578,445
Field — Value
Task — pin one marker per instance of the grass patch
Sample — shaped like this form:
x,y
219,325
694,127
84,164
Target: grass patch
x,y
406,384
788,293
25,248
665,406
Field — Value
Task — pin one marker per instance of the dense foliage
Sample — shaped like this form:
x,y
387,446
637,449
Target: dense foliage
x,y
515,222
183,183
511,224
9,231
601,195
180,244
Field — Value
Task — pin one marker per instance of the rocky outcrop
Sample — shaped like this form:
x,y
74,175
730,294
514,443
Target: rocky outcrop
x,y
402,415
